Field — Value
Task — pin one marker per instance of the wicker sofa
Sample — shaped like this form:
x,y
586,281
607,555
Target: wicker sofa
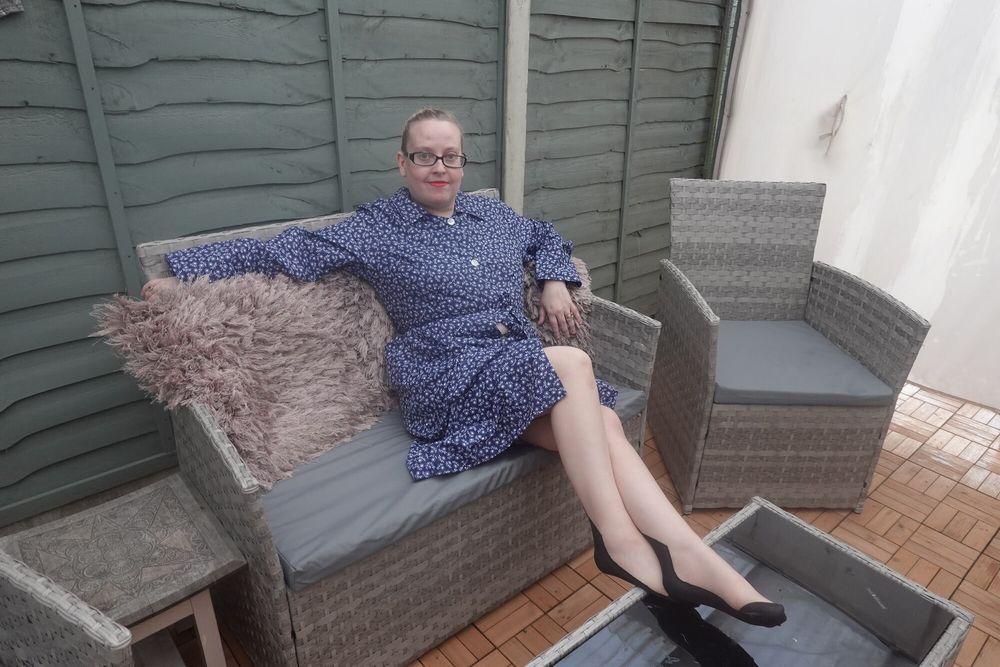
x,y
391,605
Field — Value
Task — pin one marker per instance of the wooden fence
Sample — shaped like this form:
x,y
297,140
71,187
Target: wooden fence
x,y
124,121
610,119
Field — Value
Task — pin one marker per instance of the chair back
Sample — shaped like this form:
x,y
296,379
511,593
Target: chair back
x,y
746,246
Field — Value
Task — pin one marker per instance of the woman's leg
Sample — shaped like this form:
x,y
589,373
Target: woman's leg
x,y
647,508
576,424
653,514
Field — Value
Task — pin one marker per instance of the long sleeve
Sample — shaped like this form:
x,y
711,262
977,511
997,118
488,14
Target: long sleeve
x,y
550,252
298,253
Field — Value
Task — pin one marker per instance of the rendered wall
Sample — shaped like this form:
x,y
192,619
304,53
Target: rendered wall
x,y
913,173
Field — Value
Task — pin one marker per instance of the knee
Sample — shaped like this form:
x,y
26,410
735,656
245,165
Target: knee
x,y
570,362
612,423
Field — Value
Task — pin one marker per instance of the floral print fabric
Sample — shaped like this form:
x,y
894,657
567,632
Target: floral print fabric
x,y
466,388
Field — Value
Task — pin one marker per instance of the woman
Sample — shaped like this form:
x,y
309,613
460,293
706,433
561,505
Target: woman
x,y
471,374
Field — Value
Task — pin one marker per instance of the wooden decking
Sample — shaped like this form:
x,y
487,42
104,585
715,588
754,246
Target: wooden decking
x,y
933,514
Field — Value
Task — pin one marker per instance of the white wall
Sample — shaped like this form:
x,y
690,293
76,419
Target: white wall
x,y
913,175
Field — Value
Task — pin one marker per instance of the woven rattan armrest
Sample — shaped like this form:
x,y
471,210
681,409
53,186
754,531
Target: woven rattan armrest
x,y
50,623
212,466
684,377
212,435
688,344
867,323
624,344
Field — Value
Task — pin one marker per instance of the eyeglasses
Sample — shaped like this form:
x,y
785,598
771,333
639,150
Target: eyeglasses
x,y
425,159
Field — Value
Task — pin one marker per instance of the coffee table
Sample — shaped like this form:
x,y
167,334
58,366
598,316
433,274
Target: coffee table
x,y
843,608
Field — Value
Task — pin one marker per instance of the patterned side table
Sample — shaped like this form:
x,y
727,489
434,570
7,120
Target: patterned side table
x,y
145,559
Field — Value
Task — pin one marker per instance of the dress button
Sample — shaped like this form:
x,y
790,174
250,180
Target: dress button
x,y
474,262
451,221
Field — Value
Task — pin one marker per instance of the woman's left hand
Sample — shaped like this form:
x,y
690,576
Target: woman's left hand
x,y
558,308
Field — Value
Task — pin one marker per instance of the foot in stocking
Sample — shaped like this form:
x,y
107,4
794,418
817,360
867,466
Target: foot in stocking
x,y
766,614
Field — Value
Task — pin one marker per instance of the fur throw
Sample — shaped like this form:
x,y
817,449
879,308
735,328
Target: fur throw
x,y
582,297
289,370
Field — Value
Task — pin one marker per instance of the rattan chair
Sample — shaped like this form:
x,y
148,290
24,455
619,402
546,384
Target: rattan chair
x,y
743,251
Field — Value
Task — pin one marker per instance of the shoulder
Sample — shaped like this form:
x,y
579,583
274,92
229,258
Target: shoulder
x,y
360,227
484,207
393,210
381,208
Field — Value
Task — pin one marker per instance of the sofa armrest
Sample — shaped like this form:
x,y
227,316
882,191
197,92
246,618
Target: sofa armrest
x,y
624,344
211,466
878,330
206,430
684,378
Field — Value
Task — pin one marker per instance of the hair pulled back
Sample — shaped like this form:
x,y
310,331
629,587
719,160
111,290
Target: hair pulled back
x,y
427,113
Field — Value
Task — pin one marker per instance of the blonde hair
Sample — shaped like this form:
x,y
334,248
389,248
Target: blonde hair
x,y
428,113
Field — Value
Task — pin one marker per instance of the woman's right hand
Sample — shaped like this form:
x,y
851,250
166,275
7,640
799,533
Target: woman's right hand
x,y
157,286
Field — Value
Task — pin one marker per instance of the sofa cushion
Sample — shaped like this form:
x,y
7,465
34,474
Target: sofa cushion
x,y
358,498
790,363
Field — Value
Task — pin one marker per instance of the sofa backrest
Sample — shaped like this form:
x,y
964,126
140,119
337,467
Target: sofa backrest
x,y
152,255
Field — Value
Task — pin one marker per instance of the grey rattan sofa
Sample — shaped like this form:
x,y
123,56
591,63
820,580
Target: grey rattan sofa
x,y
393,604
732,416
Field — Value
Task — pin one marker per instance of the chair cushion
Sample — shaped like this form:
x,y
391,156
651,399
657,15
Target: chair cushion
x,y
358,498
790,363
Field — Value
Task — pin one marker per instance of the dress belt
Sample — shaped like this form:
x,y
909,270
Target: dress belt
x,y
513,321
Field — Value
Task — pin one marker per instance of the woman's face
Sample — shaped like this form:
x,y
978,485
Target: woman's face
x,y
433,187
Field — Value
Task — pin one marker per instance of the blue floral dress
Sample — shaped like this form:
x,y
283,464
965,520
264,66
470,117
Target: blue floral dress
x,y
466,390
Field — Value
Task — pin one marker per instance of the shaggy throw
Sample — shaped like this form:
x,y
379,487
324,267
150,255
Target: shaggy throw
x,y
289,370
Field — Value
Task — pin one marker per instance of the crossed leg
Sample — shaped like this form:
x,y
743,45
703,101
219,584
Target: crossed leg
x,y
617,491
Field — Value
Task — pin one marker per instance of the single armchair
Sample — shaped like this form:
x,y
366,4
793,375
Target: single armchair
x,y
775,375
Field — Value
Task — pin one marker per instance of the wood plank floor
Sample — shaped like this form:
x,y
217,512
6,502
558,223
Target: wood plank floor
x,y
933,514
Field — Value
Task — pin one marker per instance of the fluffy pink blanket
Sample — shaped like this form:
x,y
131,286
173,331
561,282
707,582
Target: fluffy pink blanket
x,y
288,369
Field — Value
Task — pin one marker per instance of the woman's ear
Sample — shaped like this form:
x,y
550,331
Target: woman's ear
x,y
401,163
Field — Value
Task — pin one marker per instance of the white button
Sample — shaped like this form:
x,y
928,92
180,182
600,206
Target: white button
x,y
451,221
475,262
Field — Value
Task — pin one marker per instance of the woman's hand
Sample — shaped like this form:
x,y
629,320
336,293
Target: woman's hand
x,y
157,286
558,308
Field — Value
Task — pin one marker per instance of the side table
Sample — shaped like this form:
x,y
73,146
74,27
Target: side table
x,y
145,559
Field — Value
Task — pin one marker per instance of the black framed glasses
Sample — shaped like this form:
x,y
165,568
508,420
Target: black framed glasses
x,y
425,159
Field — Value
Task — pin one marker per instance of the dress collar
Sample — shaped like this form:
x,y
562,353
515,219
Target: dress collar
x,y
410,211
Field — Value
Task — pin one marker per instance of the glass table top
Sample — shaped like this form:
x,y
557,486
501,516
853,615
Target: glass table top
x,y
816,634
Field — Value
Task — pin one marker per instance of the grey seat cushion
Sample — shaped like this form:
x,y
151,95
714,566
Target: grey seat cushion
x,y
358,498
790,363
